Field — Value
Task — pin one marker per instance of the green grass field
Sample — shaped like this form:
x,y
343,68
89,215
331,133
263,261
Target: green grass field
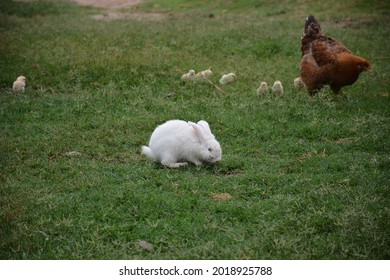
x,y
301,178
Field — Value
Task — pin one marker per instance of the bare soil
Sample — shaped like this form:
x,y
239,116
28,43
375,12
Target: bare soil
x,y
108,4
136,16
112,5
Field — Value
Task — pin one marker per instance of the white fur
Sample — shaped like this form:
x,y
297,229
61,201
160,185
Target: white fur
x,y
277,88
227,79
190,76
263,89
19,85
177,142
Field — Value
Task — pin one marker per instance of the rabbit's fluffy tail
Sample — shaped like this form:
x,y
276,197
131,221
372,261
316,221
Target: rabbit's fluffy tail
x,y
147,152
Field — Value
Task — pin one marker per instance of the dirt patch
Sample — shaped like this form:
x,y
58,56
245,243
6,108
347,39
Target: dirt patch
x,y
136,16
221,196
348,22
108,4
111,5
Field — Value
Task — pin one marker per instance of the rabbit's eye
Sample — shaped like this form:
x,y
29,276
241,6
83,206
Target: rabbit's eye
x,y
210,150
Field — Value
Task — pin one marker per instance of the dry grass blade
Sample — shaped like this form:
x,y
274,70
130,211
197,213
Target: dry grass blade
x,y
346,140
305,156
215,86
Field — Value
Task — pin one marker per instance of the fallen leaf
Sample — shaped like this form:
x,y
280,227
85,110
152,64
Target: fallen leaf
x,y
94,84
145,245
221,196
305,156
72,154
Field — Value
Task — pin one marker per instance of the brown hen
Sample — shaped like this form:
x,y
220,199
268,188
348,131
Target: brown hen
x,y
326,61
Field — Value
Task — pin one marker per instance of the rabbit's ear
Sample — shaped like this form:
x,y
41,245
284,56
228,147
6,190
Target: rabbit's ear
x,y
199,131
205,127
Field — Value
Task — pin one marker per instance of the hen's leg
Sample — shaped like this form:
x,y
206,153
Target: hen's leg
x,y
336,89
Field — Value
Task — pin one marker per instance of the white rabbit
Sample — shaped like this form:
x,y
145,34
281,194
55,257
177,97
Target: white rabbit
x,y
177,142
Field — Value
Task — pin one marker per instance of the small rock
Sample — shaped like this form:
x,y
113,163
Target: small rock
x,y
145,245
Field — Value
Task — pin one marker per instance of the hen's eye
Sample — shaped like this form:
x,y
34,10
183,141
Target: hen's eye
x,y
210,149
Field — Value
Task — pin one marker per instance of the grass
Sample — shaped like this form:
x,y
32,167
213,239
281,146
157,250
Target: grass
x,y
307,178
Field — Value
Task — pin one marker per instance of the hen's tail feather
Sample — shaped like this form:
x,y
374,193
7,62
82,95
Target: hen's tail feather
x,y
313,23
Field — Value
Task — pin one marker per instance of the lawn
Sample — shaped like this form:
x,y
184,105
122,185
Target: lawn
x,y
300,178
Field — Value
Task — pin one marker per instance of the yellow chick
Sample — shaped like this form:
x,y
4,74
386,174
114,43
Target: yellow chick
x,y
19,85
190,76
263,89
298,83
277,88
227,79
206,74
